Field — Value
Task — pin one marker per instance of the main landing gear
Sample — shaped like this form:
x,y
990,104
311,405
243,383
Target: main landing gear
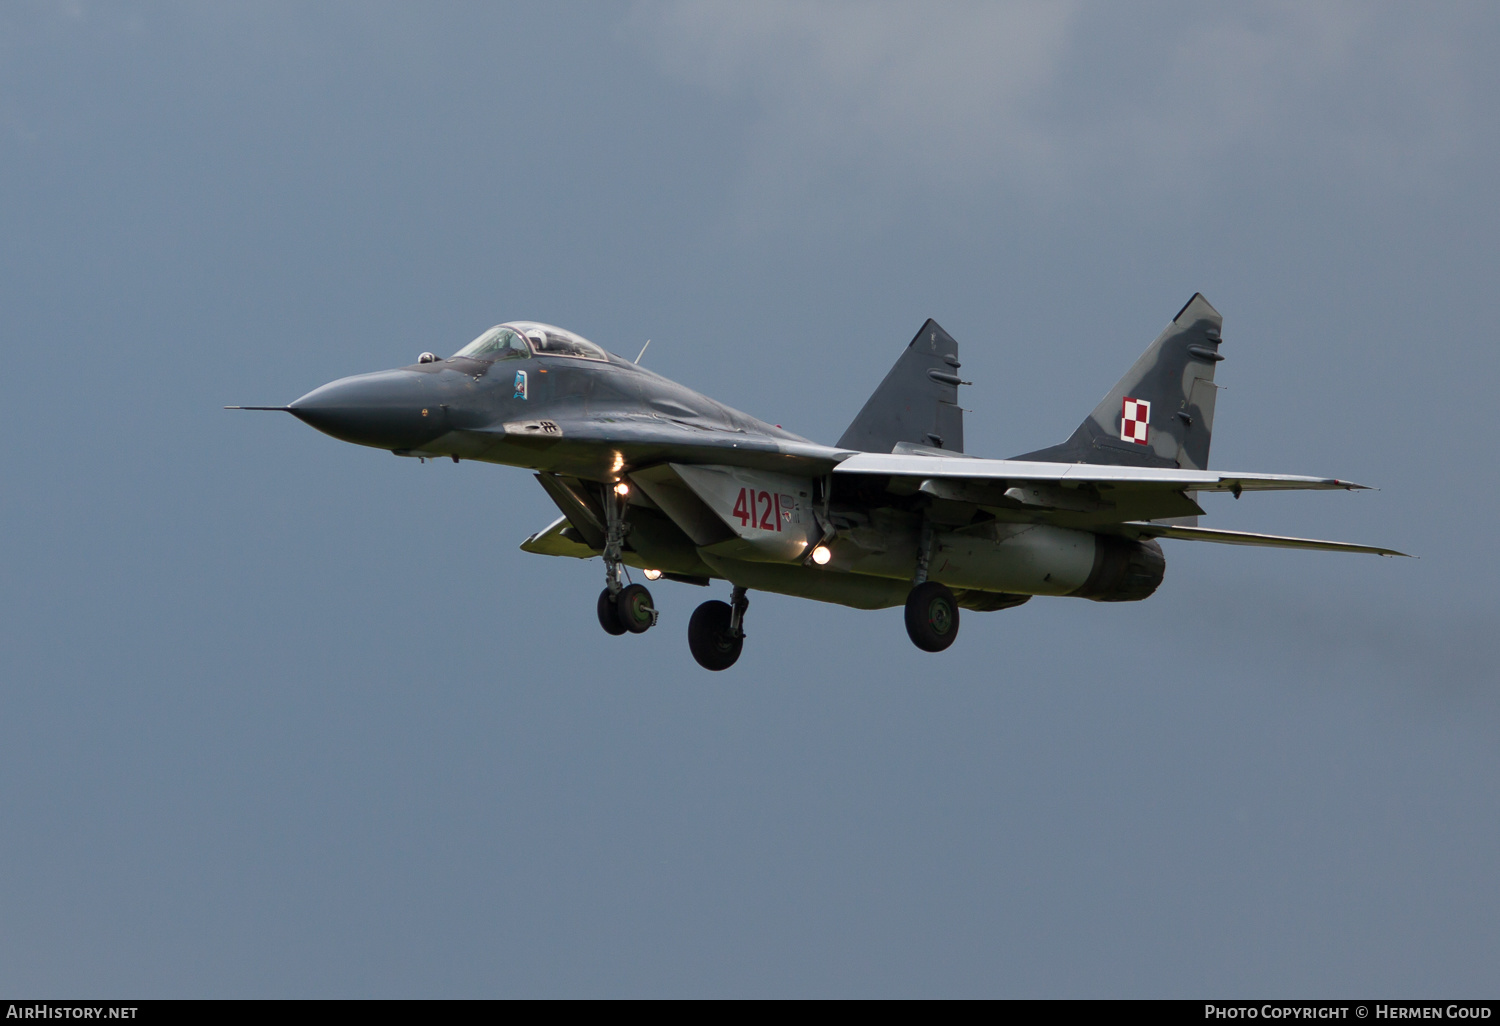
x,y
931,609
716,633
931,616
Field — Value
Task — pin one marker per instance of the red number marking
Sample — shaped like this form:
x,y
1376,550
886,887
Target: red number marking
x,y
765,520
740,509
777,497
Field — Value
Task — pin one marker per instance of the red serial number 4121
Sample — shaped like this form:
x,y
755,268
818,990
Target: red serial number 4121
x,y
758,509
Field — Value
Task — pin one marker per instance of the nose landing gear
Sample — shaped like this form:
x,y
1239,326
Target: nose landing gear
x,y
609,615
628,607
634,609
716,632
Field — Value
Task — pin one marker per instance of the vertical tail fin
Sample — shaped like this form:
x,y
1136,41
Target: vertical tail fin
x,y
917,402
1161,413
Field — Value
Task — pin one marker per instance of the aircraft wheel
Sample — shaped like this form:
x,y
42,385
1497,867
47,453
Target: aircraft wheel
x,y
931,616
634,609
609,616
712,644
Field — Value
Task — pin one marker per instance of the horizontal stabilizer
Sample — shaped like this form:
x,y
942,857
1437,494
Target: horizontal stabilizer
x,y
1274,541
555,540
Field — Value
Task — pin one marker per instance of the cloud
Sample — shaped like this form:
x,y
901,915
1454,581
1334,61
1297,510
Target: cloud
x,y
1040,102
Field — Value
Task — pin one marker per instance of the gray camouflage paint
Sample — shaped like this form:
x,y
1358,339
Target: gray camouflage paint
x,y
1176,376
585,424
917,402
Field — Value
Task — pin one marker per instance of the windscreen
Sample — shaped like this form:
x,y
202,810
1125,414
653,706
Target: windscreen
x,y
501,342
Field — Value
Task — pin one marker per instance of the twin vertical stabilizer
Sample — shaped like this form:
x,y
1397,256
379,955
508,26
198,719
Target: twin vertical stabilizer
x,y
1161,413
917,403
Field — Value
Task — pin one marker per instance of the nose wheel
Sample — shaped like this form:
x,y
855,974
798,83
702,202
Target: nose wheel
x,y
634,609
609,616
631,610
716,632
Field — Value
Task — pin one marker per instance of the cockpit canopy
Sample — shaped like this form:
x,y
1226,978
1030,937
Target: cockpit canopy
x,y
501,342
519,339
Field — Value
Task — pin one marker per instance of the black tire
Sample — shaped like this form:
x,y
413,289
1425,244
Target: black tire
x,y
931,616
709,638
609,617
633,607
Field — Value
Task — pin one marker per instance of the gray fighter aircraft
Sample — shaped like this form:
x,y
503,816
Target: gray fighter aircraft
x,y
652,475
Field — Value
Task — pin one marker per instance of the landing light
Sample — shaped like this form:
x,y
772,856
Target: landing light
x,y
822,554
622,488
652,575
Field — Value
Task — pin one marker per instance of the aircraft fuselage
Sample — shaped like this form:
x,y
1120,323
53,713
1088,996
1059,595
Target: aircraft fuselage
x,y
650,474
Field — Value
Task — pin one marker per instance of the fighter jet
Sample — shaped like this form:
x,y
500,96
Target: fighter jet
x,y
650,475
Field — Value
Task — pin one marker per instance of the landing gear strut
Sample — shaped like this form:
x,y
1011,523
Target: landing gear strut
x,y
621,607
931,610
716,633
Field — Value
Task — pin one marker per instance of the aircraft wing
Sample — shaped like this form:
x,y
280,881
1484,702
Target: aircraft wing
x,y
1115,478
1091,496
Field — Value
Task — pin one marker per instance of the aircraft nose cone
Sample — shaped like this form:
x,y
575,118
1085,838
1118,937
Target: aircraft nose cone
x,y
387,409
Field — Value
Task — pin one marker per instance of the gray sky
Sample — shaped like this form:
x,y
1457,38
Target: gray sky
x,y
286,717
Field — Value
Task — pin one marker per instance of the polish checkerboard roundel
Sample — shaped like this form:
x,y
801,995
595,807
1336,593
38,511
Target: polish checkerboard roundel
x,y
1135,421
